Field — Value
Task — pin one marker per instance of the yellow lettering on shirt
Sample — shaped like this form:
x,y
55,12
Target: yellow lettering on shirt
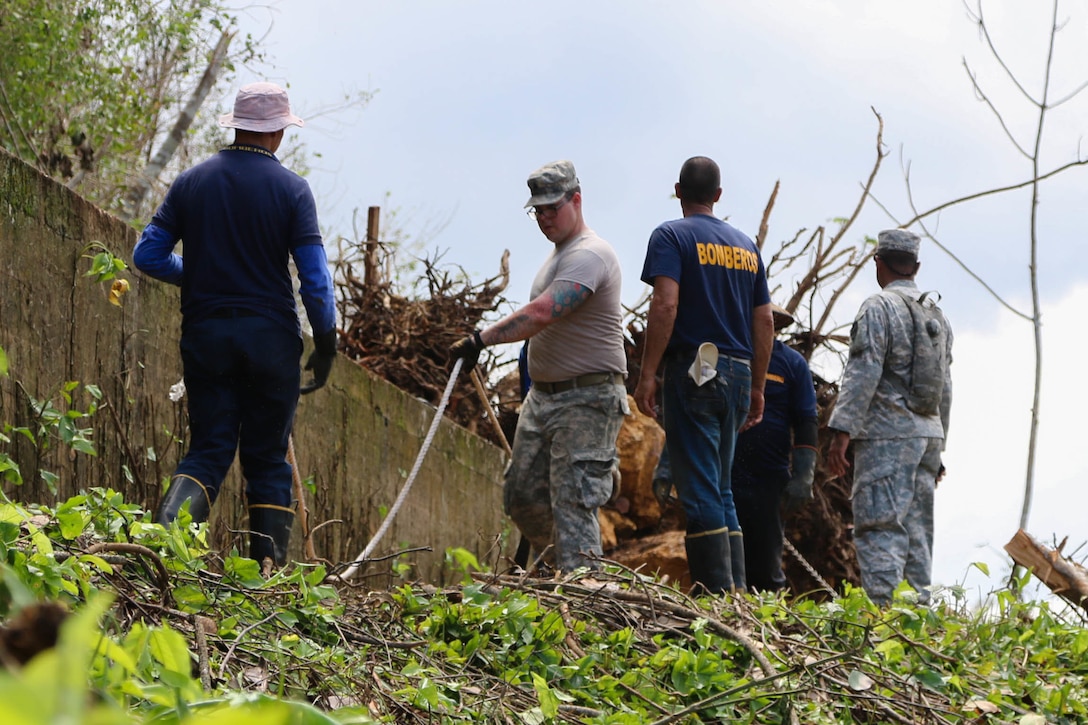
x,y
721,255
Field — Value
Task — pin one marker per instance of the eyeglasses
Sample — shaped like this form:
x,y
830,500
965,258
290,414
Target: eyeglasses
x,y
548,211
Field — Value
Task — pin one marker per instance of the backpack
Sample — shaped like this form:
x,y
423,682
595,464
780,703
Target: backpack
x,y
929,364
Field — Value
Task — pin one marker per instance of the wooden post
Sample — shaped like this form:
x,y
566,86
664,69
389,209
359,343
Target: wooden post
x,y
371,276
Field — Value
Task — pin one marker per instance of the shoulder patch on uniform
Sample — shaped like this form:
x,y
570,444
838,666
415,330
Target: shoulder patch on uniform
x,y
857,345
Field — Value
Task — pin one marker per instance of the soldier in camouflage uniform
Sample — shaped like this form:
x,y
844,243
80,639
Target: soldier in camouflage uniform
x,y
565,442
897,451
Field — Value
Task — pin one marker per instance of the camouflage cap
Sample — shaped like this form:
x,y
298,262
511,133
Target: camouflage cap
x,y
897,240
551,182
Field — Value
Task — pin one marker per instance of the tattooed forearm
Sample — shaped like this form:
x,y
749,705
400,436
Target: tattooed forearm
x,y
513,327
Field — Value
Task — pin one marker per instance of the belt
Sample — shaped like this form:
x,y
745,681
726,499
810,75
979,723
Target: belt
x,y
230,312
582,381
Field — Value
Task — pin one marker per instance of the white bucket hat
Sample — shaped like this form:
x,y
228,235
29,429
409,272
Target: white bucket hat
x,y
261,107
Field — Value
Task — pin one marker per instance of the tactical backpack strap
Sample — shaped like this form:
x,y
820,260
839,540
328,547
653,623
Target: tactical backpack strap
x,y
936,296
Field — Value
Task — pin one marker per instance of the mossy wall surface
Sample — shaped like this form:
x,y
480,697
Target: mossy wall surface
x,y
357,438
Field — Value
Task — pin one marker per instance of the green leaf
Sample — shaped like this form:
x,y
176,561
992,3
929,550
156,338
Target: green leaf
x,y
98,562
170,649
72,524
50,479
549,703
931,679
3,363
190,597
1080,643
859,681
83,446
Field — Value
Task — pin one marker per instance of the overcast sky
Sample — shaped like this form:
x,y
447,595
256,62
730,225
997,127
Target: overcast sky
x,y
472,96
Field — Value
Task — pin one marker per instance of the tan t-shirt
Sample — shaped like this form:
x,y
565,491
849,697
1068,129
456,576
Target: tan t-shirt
x,y
589,339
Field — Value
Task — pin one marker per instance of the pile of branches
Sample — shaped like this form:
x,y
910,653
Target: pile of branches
x,y
404,335
501,647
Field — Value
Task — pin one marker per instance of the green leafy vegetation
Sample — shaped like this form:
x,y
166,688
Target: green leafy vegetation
x,y
166,631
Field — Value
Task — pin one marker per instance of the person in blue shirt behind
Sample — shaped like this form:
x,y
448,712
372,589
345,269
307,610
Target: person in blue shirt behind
x,y
241,217
775,462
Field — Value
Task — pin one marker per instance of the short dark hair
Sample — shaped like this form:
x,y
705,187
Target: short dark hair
x,y
899,262
700,179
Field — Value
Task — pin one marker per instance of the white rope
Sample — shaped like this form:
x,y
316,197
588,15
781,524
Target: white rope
x,y
808,567
364,556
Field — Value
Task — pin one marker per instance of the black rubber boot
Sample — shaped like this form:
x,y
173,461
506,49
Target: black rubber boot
x,y
269,533
182,489
709,562
736,556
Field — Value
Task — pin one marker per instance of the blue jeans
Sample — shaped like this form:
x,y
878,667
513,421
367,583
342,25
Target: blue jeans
x,y
701,424
242,380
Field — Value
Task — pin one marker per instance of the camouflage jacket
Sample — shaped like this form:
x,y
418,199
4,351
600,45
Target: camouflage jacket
x,y
872,397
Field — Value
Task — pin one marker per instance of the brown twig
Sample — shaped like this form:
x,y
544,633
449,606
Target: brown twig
x,y
300,495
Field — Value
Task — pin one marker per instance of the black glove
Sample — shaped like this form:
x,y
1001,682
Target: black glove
x,y
468,349
320,360
662,491
799,489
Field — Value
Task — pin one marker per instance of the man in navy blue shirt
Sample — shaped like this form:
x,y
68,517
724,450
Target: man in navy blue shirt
x,y
241,216
775,461
710,326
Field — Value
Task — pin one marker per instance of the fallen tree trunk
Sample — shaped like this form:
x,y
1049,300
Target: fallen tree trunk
x,y
1065,578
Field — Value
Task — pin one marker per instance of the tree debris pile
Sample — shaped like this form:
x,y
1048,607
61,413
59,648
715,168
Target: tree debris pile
x,y
404,337
617,647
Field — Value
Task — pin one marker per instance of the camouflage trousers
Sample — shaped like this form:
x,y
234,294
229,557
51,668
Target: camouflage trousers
x,y
561,470
894,481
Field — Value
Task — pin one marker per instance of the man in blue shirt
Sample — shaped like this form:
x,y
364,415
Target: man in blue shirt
x,y
776,460
710,325
241,216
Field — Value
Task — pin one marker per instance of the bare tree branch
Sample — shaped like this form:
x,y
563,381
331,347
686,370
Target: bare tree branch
x,y
142,186
981,95
992,192
984,31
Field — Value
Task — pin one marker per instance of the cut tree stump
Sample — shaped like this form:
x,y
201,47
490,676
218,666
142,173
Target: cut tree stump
x,y
1065,578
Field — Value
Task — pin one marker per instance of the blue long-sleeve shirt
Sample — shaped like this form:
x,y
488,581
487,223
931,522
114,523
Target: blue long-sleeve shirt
x,y
239,215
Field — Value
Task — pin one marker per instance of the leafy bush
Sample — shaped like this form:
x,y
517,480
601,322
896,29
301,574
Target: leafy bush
x,y
165,631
